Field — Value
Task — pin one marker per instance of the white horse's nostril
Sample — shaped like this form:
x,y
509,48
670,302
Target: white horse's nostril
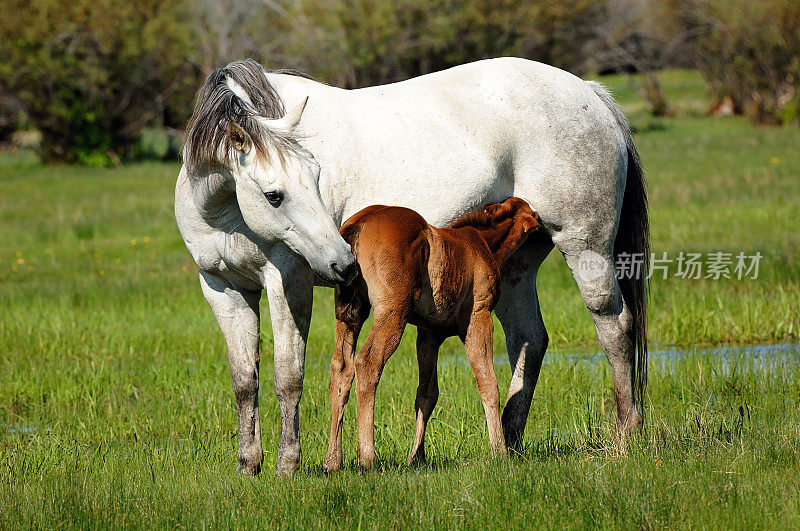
x,y
347,272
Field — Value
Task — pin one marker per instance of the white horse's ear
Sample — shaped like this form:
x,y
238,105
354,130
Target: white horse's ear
x,y
239,138
289,120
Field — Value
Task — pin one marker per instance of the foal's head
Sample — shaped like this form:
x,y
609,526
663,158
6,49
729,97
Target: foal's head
x,y
504,226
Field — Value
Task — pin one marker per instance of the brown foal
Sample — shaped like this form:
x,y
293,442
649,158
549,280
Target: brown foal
x,y
444,281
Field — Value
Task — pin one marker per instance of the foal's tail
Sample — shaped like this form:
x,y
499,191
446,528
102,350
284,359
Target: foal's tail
x,y
633,238
348,304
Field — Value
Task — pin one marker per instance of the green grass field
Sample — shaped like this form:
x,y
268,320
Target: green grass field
x,y
115,399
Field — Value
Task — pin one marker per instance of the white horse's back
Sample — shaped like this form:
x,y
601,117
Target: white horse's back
x,y
473,134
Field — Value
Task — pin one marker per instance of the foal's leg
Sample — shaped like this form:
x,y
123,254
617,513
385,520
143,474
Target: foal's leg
x,y
427,392
381,343
236,311
478,343
351,312
342,373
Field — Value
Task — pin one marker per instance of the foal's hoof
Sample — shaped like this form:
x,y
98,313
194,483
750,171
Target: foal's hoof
x,y
332,464
498,452
366,463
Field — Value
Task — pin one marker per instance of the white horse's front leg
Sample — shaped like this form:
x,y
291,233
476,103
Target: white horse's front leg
x,y
290,288
236,311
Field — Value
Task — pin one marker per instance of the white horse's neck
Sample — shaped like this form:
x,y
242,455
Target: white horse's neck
x,y
211,192
324,131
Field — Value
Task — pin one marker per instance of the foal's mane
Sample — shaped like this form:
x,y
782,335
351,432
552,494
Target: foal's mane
x,y
216,105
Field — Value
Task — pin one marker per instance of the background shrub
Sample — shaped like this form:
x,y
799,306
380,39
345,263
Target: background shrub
x,y
91,73
355,43
749,52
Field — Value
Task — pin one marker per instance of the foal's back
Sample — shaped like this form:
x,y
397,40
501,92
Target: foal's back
x,y
379,226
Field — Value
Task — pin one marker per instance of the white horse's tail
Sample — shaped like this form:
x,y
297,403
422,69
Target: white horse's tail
x,y
633,237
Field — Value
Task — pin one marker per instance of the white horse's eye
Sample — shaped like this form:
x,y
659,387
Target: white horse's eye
x,y
275,198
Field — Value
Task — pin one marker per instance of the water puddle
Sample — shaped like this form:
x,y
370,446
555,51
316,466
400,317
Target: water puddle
x,y
19,429
760,354
744,357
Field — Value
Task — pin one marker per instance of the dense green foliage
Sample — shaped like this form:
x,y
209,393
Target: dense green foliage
x,y
91,73
116,407
749,52
357,43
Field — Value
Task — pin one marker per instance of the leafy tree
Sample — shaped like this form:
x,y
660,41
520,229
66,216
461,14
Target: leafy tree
x,y
362,42
749,53
91,73
641,36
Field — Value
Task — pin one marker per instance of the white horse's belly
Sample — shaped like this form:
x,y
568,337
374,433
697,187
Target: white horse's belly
x,y
438,188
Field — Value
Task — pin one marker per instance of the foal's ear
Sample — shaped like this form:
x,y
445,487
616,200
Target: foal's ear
x,y
498,210
531,222
239,138
491,209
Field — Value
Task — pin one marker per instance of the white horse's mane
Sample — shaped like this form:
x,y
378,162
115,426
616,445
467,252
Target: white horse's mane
x,y
239,93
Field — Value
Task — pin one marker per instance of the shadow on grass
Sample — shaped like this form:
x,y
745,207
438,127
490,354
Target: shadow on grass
x,y
651,127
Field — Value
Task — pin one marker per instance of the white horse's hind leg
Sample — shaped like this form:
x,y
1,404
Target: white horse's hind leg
x,y
237,314
290,289
614,323
526,337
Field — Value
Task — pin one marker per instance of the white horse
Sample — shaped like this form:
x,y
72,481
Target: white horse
x,y
263,190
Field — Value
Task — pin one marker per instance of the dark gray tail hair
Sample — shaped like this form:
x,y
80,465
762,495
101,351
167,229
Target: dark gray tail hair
x,y
633,237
